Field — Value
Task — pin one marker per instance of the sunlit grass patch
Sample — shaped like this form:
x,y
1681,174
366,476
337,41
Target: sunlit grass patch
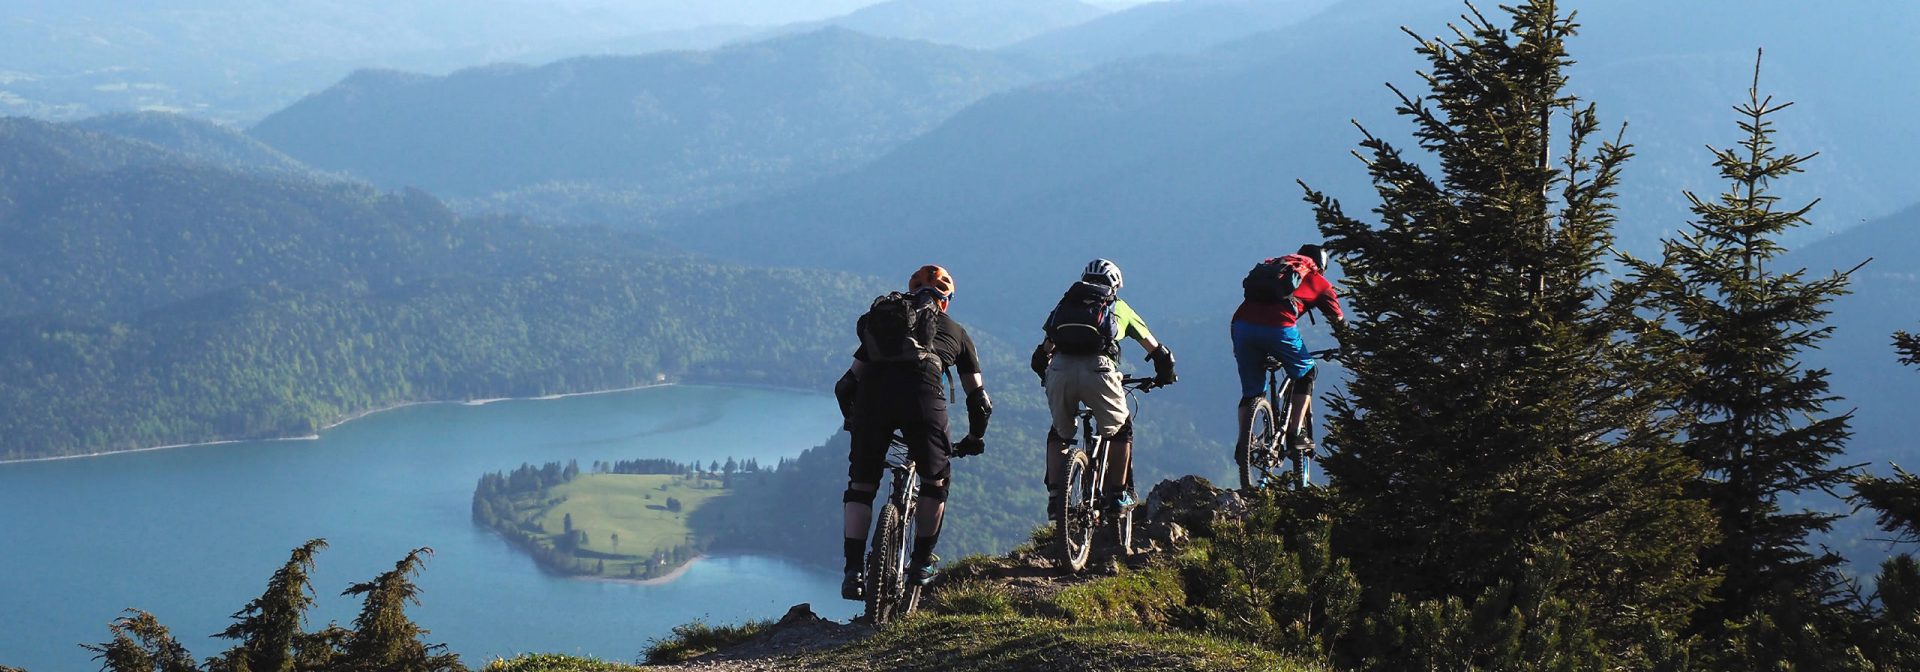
x,y
698,638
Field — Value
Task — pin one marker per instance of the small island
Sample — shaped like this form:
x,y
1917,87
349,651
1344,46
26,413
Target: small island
x,y
619,520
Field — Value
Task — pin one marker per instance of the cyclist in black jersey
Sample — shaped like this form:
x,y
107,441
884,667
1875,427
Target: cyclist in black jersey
x,y
881,398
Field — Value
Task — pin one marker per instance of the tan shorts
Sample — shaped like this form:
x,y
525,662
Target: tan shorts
x,y
1085,380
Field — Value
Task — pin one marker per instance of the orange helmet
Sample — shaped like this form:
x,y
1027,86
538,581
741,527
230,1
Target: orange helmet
x,y
931,278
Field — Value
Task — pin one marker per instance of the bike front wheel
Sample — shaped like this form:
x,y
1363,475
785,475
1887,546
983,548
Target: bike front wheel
x,y
1074,513
1257,452
887,567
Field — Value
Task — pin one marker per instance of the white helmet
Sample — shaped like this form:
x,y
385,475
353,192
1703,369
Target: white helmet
x,y
1101,271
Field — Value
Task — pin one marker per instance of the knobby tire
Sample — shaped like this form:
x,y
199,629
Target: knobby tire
x,y
886,567
1260,446
1073,519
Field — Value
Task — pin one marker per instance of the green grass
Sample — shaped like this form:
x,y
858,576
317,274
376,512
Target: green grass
x,y
997,643
548,662
698,638
633,506
1150,598
972,597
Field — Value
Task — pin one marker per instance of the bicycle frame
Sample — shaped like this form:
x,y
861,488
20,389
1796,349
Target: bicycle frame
x,y
1088,511
1273,449
888,593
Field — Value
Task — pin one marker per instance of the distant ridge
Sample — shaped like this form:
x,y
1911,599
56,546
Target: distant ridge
x,y
673,128
1173,26
969,23
196,139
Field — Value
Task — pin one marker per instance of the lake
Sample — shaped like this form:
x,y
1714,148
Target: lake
x,y
192,534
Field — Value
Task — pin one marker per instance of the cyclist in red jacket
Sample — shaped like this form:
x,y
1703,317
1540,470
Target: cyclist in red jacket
x,y
1264,327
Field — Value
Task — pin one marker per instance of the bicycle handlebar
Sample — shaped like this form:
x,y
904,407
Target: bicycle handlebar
x,y
1274,363
1142,384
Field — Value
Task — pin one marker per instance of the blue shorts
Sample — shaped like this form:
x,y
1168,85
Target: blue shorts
x,y
1254,343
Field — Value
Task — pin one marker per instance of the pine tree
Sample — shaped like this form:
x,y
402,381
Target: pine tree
x,y
384,639
1757,421
270,627
141,644
1493,417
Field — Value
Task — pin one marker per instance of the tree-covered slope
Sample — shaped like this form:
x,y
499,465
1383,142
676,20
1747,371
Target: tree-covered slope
x,y
969,23
1206,146
151,299
1885,298
238,61
666,128
195,138
1173,26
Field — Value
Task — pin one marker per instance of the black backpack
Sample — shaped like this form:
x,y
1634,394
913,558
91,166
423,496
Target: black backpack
x,y
1083,322
1275,280
897,329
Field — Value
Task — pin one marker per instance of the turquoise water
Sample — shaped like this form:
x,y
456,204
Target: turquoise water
x,y
192,534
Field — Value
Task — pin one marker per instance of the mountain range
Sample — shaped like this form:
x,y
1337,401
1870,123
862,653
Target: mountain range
x,y
665,130
1206,147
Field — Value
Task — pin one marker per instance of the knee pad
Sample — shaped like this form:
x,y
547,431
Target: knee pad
x,y
857,496
934,489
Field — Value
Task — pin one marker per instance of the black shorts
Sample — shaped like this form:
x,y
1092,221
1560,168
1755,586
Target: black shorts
x,y
914,410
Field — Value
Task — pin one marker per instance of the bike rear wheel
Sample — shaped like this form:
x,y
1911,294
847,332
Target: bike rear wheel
x,y
887,567
1074,513
1259,455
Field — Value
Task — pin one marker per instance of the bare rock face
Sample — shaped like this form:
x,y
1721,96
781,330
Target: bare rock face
x,y
1190,503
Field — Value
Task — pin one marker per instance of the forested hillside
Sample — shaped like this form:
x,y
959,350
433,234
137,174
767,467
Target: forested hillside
x,y
1174,26
981,24
625,137
195,138
238,61
150,299
1206,147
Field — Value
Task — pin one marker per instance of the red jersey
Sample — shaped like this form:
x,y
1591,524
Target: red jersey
x,y
1315,292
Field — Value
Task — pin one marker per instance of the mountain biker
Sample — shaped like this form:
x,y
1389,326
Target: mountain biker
x,y
1078,363
885,391
1278,292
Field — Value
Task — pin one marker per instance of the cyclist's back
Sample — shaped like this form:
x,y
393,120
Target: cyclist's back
x,y
1278,292
908,342
1078,362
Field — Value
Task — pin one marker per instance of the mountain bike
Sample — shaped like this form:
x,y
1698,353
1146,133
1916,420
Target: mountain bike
x,y
888,592
1082,508
1263,455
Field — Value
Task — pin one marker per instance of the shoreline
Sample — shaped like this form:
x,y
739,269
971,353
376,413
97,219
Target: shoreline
x,y
663,579
350,418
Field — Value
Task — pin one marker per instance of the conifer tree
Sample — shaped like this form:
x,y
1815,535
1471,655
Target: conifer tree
x,y
270,627
141,644
1493,418
384,639
1757,420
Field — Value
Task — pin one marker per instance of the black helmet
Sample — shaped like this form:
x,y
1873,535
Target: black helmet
x,y
1317,253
